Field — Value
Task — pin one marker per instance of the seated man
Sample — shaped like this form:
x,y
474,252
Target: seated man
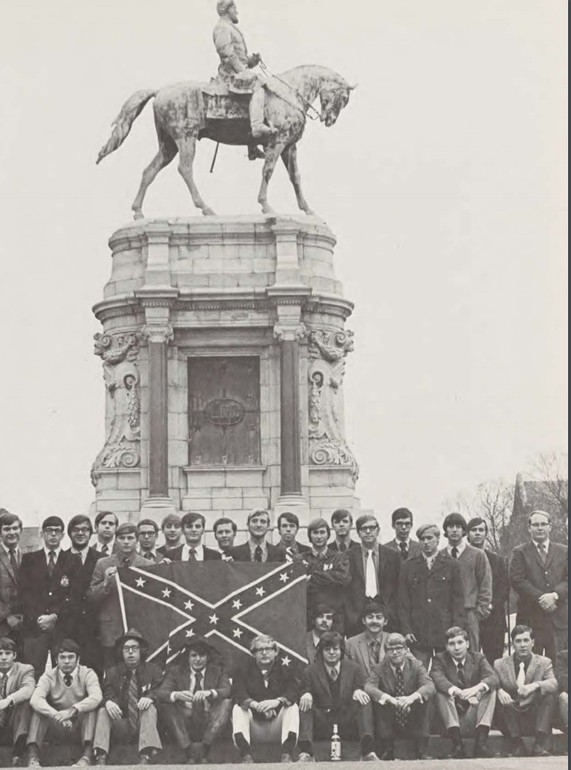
x,y
368,648
194,699
561,671
265,695
64,703
400,688
333,694
128,710
526,694
16,687
323,616
465,693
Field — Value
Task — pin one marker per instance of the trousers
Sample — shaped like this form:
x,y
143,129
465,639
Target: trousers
x,y
186,727
121,729
469,720
535,717
353,719
388,727
273,730
41,726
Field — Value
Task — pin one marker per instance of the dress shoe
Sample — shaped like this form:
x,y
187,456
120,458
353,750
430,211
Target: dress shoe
x,y
481,749
519,749
457,751
370,757
83,761
248,759
540,750
388,753
305,757
101,759
420,750
286,758
144,759
17,761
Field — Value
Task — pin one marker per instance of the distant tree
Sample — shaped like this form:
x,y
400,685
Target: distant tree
x,y
551,469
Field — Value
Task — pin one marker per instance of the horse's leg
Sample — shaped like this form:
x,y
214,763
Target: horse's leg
x,y
187,150
273,152
289,157
167,151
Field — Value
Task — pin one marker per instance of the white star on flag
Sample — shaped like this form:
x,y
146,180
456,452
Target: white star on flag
x,y
188,605
286,661
140,582
236,604
260,591
166,592
214,619
237,632
190,632
284,577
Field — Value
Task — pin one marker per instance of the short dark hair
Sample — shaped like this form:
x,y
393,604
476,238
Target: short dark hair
x,y
10,518
53,521
521,629
288,516
476,522
363,519
341,513
126,529
456,631
68,645
7,644
171,518
75,521
322,609
147,523
225,520
331,639
102,514
454,519
401,513
541,513
317,524
371,607
192,516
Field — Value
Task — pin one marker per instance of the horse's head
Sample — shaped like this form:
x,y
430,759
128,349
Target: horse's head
x,y
333,95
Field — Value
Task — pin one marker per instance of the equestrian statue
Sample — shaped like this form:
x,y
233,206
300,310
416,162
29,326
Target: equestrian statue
x,y
241,106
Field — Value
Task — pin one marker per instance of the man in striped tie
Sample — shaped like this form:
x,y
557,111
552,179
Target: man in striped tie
x,y
128,712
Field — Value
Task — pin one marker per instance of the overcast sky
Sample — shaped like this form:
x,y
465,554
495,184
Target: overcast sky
x,y
443,180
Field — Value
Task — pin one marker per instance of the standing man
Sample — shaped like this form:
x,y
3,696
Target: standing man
x,y
465,693
492,628
328,573
288,527
322,621
106,524
224,533
401,522
373,575
400,689
526,695
476,576
65,702
431,596
342,521
171,527
49,587
103,594
84,627
10,558
538,574
193,525
257,547
265,695
128,709
368,648
17,685
147,535
194,699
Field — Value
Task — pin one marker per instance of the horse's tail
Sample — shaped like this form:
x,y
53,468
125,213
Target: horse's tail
x,y
124,120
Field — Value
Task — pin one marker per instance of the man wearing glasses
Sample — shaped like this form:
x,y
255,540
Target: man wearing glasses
x,y
49,587
265,694
401,522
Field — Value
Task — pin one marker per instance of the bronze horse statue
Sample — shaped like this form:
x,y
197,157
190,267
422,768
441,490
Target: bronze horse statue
x,y
188,111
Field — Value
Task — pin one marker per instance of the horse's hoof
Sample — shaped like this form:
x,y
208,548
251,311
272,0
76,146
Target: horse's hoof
x,y
138,215
208,212
268,210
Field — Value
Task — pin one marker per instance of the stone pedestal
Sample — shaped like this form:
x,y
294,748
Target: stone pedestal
x,y
223,350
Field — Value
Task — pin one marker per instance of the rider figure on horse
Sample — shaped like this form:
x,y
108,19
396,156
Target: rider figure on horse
x,y
236,70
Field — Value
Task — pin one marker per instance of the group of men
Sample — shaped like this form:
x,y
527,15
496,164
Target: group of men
x,y
391,629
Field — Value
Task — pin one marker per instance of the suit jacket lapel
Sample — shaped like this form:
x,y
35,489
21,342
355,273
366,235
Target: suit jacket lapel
x,y
343,681
359,559
6,562
531,669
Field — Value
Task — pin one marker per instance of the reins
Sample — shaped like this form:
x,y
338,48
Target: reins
x,y
309,108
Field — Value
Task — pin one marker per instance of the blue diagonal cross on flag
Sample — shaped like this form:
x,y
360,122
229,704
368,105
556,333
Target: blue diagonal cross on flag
x,y
227,602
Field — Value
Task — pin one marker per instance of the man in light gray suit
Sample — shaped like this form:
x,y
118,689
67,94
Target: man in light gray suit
x,y
368,648
10,558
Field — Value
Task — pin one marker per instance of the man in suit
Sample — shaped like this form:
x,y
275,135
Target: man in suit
x,y
288,527
328,573
257,547
342,521
368,648
265,695
193,526
106,524
322,621
476,576
17,684
527,694
49,588
538,574
171,527
431,596
194,699
562,673
373,574
403,544
65,702
225,530
332,694
102,593
400,689
492,628
129,711
10,558
465,693
147,535
83,626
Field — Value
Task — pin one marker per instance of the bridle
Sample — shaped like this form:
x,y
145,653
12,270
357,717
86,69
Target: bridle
x,y
309,108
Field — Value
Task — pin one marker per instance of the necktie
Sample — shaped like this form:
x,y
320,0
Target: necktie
x,y
13,560
132,700
3,688
454,552
520,681
342,547
400,715
67,680
375,649
403,551
333,674
370,577
542,553
197,682
192,554
258,553
105,550
51,562
149,555
461,677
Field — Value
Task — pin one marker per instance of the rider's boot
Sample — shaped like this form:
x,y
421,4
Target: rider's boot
x,y
259,128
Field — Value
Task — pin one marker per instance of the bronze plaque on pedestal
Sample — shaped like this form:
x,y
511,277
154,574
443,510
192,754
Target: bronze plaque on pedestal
x,y
224,410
